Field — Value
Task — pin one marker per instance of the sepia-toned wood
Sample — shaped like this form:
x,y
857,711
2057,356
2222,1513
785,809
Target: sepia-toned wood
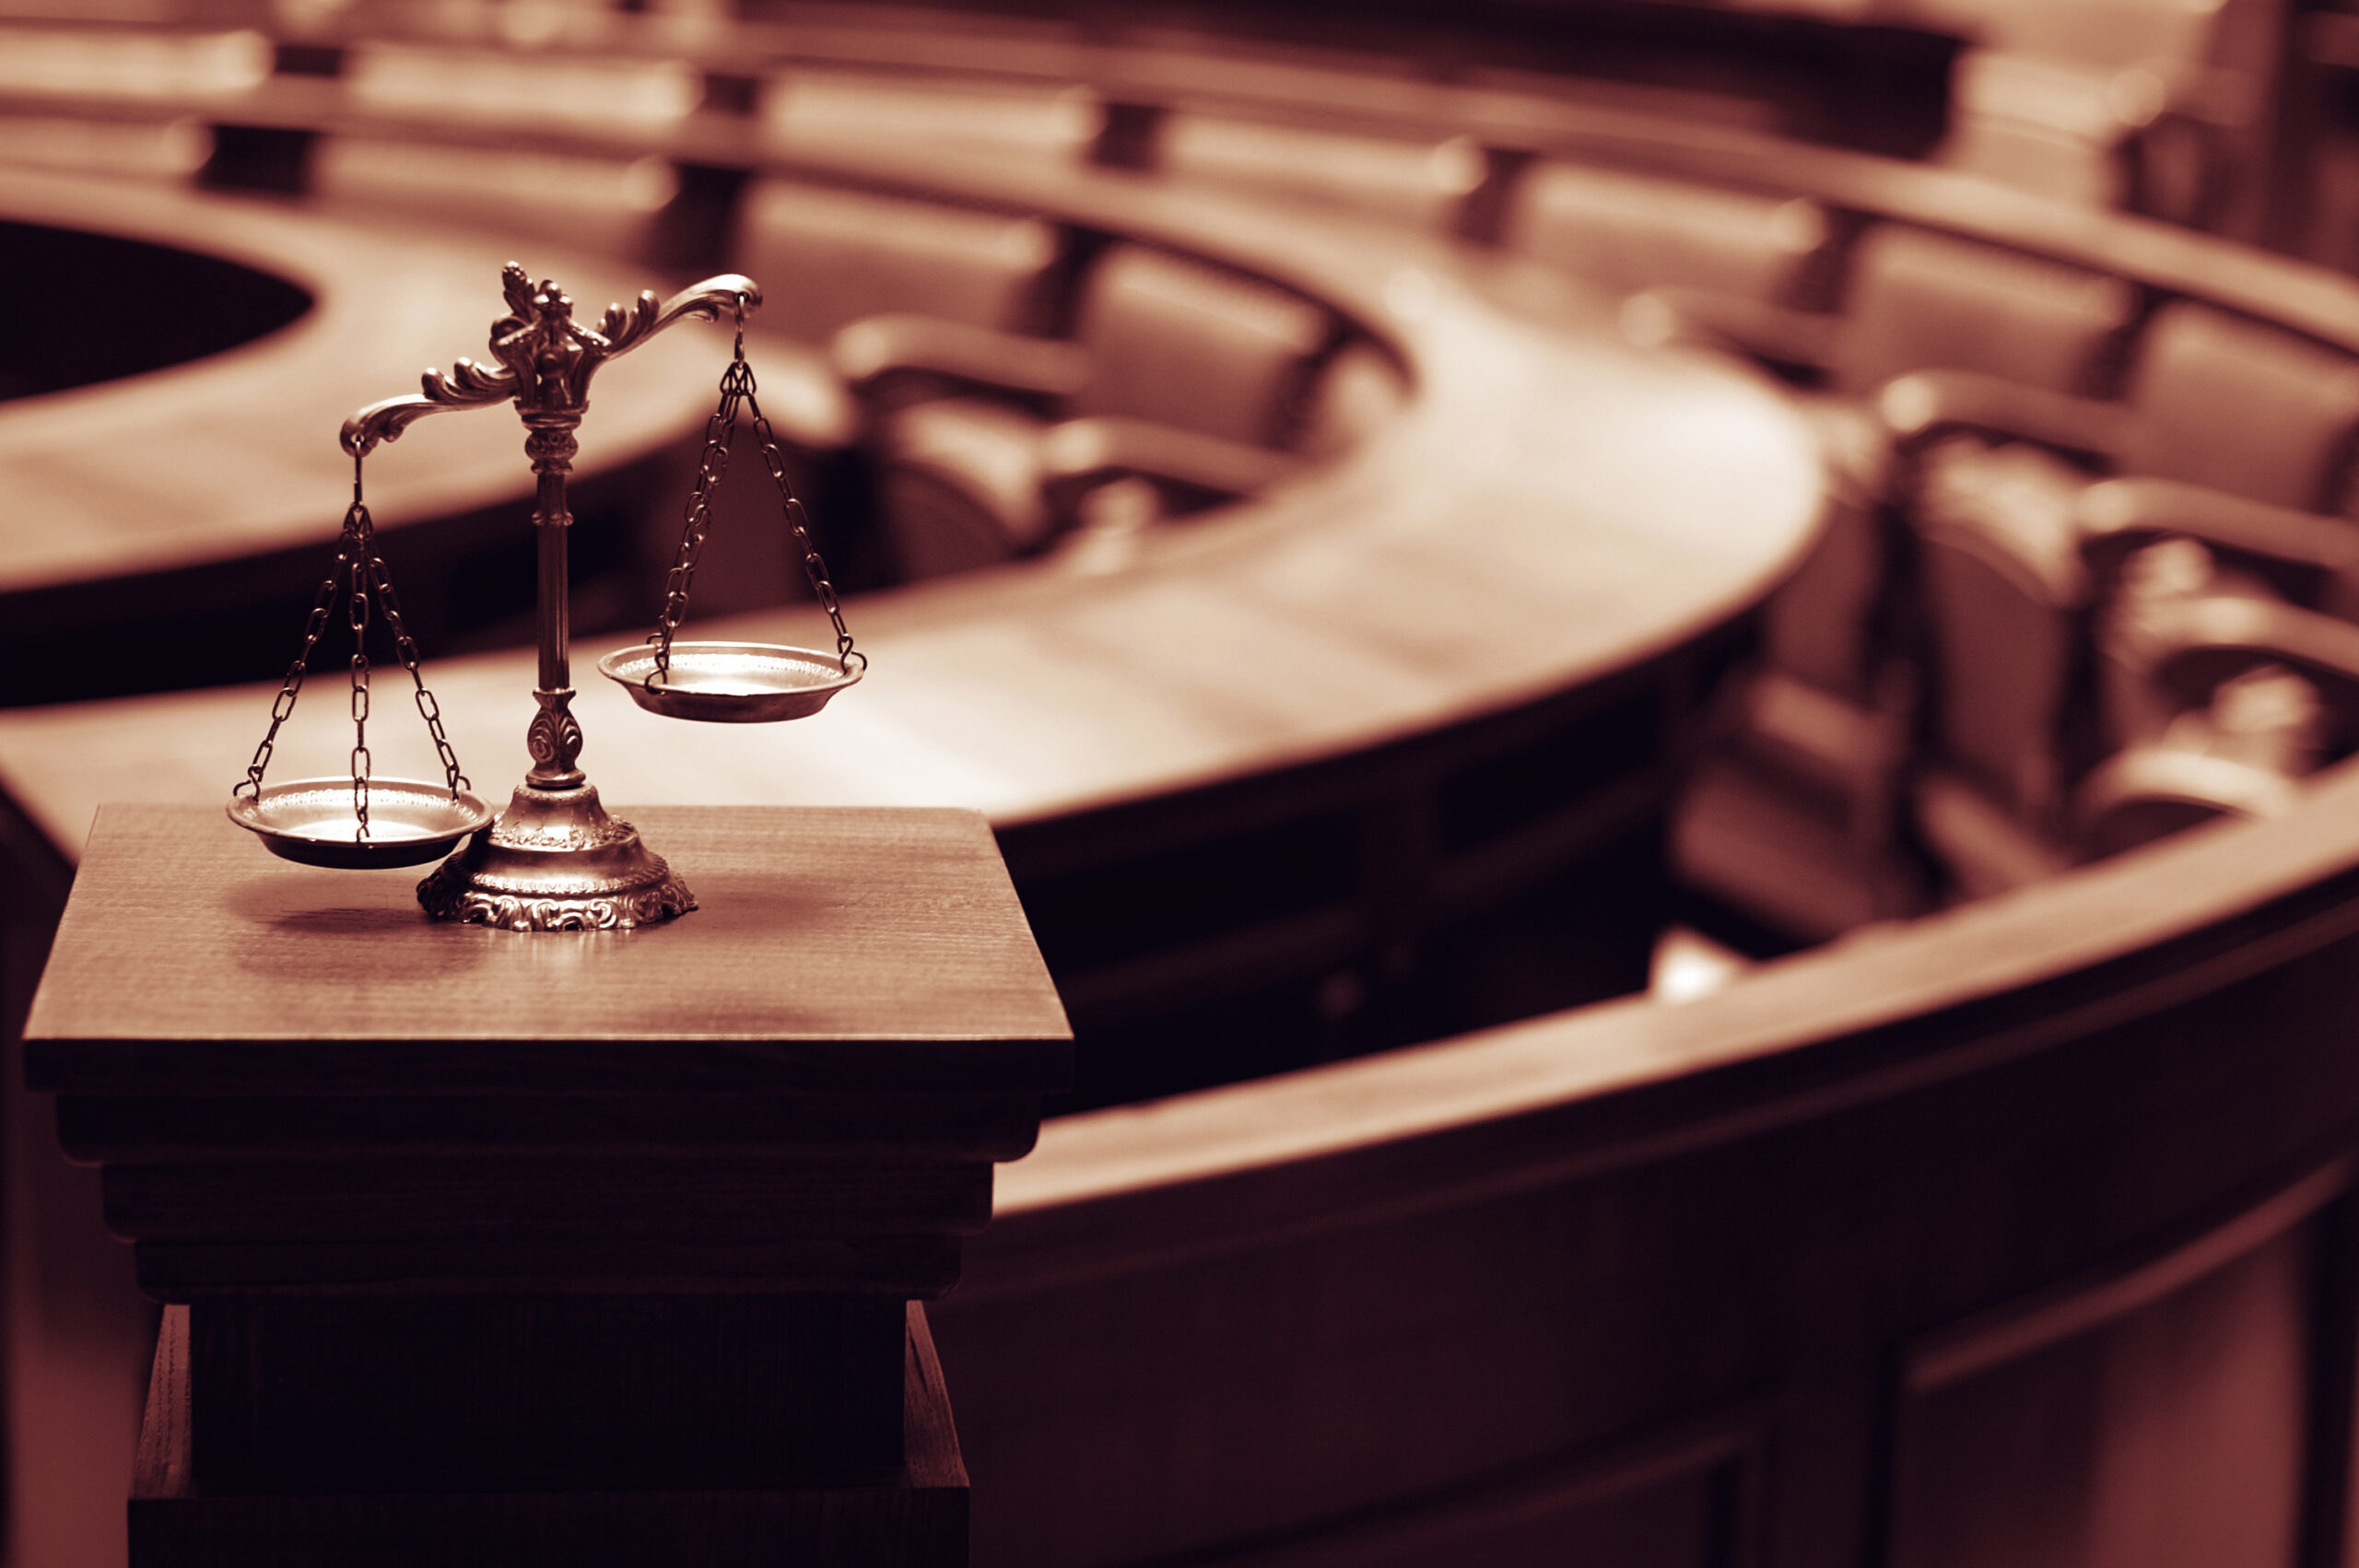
x,y
2112,1118
1387,1305
2159,1414
916,1518
179,496
1158,712
242,1044
833,950
603,1334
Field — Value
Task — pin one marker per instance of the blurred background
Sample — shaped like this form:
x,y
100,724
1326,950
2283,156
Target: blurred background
x,y
1143,352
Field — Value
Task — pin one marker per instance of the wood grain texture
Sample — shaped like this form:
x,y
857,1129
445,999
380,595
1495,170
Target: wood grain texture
x,y
2157,1416
240,451
2027,1124
801,1086
1393,591
916,1520
942,1127
835,950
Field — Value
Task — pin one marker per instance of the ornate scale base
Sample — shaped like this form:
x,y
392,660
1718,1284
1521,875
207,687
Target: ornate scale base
x,y
555,862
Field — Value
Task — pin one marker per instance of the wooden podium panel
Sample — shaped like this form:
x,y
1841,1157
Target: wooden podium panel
x,y
520,1247
914,1518
833,950
298,1083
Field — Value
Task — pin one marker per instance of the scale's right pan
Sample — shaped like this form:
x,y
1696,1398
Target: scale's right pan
x,y
729,683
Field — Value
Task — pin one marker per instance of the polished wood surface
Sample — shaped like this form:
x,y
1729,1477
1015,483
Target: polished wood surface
x,y
1523,650
576,1333
801,1084
235,455
1578,1280
1389,594
1828,1267
831,949
915,1517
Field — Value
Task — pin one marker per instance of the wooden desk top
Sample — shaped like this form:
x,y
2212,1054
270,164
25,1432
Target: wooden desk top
x,y
833,950
236,454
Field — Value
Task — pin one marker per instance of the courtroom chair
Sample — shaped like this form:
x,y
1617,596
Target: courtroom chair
x,y
1423,182
1199,383
2245,696
831,255
91,144
486,86
1919,300
607,204
1631,231
2248,430
1820,755
825,108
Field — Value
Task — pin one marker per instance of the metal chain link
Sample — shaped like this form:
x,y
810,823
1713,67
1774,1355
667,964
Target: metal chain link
x,y
427,708
814,567
356,522
737,389
357,565
292,686
696,517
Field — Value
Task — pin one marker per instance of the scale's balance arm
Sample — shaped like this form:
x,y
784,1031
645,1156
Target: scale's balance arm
x,y
554,860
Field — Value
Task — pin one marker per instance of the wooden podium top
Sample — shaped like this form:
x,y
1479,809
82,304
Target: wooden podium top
x,y
834,949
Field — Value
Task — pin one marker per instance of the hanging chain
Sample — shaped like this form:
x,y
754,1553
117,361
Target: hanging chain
x,y
359,567
292,686
427,708
696,519
355,528
737,389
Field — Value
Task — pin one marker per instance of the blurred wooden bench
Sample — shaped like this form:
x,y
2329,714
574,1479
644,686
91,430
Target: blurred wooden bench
x,y
1438,689
2022,1224
151,520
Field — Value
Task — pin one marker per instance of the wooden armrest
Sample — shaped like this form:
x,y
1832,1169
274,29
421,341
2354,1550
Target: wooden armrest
x,y
2148,792
2204,639
1731,322
2119,516
1080,454
876,346
1925,406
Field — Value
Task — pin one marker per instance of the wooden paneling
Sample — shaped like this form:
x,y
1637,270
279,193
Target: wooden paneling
x,y
1395,1306
1688,1498
2157,1417
916,1519
1275,1311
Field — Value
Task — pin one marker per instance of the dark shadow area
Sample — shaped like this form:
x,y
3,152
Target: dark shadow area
x,y
161,307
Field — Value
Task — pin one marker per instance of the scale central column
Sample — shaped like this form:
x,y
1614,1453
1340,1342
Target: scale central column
x,y
555,739
555,861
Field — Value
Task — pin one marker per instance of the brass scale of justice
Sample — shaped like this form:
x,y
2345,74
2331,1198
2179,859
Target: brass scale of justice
x,y
555,860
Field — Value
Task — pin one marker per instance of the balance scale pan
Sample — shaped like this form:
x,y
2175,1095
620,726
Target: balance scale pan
x,y
311,820
729,683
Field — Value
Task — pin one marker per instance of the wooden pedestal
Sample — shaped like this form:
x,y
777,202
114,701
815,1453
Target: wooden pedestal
x,y
500,1248
912,1512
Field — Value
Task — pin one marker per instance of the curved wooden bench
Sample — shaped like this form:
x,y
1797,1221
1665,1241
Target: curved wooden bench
x,y
1424,676
2016,1233
1788,1274
188,497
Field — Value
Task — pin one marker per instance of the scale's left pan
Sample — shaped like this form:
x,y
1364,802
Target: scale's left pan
x,y
311,820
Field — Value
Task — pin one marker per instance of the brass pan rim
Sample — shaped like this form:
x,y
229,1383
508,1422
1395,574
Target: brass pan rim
x,y
411,821
757,696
